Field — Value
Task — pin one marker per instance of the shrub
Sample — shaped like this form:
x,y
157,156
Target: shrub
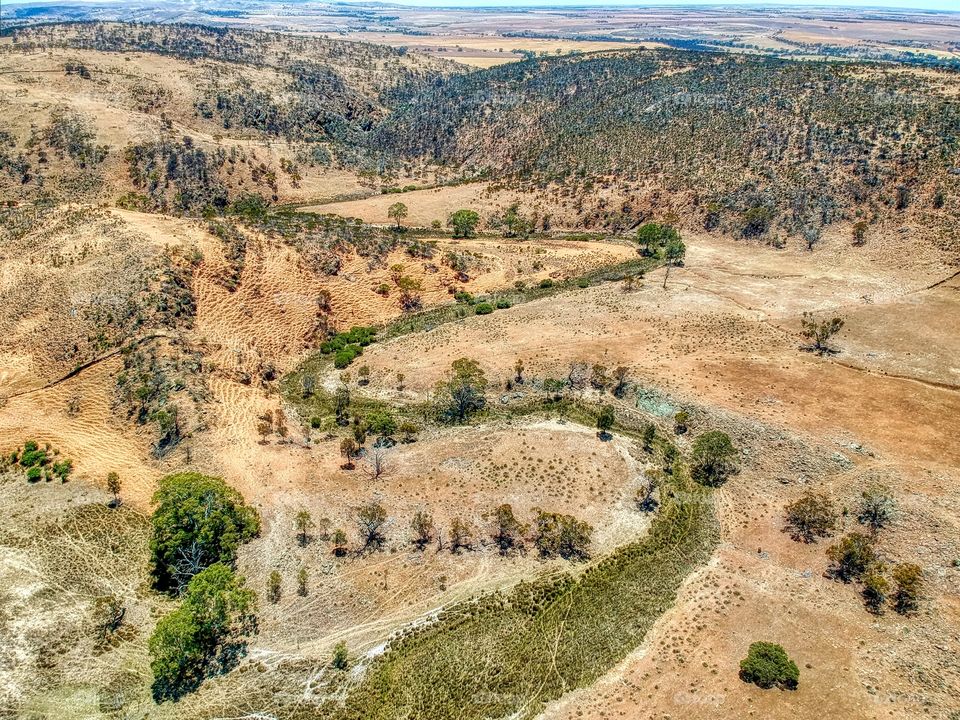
x,y
340,659
503,304
852,556
382,423
909,580
346,356
546,283
713,458
199,521
205,635
483,308
877,508
811,516
767,665
875,588
462,296
562,535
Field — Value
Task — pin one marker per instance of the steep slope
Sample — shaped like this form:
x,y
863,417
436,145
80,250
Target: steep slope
x,y
745,142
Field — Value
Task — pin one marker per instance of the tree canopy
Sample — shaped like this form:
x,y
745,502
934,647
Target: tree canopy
x,y
199,521
205,635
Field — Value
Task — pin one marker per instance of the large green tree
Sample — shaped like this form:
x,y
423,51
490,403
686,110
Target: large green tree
x,y
204,636
199,521
464,223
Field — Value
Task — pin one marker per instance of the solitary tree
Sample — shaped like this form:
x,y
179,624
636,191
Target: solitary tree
x,y
876,587
817,333
113,485
302,582
339,540
620,380
341,657
605,421
507,530
811,516
518,371
852,556
273,587
461,535
397,212
648,435
464,223
673,252
877,508
304,522
767,665
377,464
460,393
370,519
348,448
713,458
422,528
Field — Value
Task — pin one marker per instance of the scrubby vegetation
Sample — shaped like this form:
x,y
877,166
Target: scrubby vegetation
x,y
543,638
38,463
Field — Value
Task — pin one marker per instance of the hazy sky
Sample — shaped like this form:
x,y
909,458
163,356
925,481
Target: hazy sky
x,y
912,4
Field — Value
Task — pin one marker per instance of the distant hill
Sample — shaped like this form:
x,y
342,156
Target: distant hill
x,y
801,143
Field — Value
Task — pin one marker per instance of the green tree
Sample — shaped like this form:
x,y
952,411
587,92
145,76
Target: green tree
x,y
852,556
199,521
605,420
370,518
713,458
464,223
810,516
875,588
507,530
767,665
909,590
339,540
648,435
460,393
422,528
397,212
205,635
304,522
113,486
673,252
341,658
562,535
274,583
302,582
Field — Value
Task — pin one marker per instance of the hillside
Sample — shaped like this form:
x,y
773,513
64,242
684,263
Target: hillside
x,y
740,143
339,381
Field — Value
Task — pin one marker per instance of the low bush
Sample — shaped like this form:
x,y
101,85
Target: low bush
x,y
483,308
767,665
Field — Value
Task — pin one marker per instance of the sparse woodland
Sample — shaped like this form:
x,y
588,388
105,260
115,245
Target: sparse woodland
x,y
264,460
